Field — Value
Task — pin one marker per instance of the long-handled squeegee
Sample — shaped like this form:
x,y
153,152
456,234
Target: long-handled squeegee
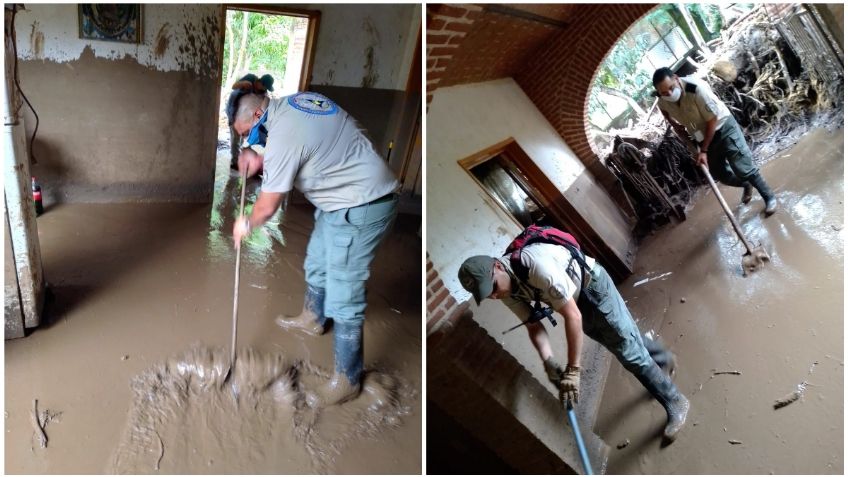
x,y
584,456
236,286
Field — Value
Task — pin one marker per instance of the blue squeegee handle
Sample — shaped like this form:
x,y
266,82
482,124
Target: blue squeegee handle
x,y
584,456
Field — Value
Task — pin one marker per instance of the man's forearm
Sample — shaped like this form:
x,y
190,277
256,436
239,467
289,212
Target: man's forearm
x,y
265,206
540,340
709,133
573,332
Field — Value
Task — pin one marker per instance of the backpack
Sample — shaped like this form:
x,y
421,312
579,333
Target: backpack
x,y
544,234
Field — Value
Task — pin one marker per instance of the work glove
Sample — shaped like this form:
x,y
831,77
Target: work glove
x,y
569,385
554,370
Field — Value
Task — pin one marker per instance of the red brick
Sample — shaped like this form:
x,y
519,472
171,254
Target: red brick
x,y
442,51
438,39
458,27
438,315
431,275
452,11
436,24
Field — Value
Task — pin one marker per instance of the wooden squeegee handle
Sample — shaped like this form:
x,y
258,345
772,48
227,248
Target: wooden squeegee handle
x,y
726,208
236,286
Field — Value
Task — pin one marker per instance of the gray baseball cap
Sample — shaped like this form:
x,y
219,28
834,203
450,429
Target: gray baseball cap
x,y
475,274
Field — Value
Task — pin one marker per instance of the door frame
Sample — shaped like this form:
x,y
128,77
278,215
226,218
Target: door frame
x,y
314,17
556,205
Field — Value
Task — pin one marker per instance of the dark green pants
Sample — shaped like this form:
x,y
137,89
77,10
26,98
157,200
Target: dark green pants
x,y
607,320
729,156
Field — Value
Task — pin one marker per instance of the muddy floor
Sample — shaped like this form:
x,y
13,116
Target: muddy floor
x,y
779,328
139,325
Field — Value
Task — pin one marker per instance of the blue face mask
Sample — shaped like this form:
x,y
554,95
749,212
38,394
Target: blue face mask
x,y
258,134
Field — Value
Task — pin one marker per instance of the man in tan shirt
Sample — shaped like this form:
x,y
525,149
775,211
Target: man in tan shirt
x,y
692,109
589,303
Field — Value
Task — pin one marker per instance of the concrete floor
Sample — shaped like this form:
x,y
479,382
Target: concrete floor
x,y
778,328
137,283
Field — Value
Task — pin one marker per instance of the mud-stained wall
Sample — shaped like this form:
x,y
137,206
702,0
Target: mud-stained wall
x,y
463,120
122,121
365,46
363,56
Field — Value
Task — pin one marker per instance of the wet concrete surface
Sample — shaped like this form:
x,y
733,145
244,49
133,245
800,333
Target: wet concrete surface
x,y
136,284
780,327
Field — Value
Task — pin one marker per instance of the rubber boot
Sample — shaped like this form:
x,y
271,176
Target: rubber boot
x,y
675,404
311,320
747,192
346,381
661,355
765,191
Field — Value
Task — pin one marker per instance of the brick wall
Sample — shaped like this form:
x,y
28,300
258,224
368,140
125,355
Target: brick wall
x,y
447,26
558,77
483,387
441,306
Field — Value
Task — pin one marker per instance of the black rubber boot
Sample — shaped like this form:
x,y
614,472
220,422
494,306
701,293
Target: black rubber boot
x,y
675,404
765,191
346,381
661,355
311,320
747,192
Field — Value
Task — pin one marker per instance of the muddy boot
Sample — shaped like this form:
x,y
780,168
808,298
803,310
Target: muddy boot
x,y
747,192
766,193
346,382
675,404
661,355
311,320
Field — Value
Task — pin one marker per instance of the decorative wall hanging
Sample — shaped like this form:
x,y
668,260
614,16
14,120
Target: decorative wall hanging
x,y
110,22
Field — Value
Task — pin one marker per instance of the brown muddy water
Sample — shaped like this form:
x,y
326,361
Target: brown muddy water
x,y
779,328
129,363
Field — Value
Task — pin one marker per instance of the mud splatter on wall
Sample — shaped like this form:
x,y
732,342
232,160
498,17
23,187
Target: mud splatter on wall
x,y
123,121
162,25
365,46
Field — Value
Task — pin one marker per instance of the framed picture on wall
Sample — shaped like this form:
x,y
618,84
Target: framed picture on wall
x,y
110,22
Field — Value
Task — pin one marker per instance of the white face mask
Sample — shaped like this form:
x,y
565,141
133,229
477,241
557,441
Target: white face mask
x,y
673,95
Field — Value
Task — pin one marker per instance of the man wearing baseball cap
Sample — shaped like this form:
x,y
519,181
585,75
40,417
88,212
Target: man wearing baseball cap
x,y
587,299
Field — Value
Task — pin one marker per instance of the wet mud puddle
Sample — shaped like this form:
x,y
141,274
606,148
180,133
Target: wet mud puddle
x,y
186,418
760,357
127,361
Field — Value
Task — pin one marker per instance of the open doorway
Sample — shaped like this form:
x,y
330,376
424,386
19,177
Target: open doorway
x,y
260,40
528,196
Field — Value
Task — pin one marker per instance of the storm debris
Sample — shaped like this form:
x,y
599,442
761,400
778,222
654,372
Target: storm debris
x,y
791,397
734,372
623,444
36,422
735,442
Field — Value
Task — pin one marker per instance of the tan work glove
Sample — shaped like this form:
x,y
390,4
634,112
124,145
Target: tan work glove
x,y
554,371
569,385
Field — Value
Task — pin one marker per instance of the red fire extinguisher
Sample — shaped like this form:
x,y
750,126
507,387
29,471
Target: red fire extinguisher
x,y
36,197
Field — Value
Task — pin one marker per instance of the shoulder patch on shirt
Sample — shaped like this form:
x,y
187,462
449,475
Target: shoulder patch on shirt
x,y
313,103
691,87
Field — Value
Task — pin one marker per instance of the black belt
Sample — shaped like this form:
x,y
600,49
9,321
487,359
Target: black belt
x,y
385,198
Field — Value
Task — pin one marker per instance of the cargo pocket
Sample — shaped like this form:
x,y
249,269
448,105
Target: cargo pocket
x,y
340,251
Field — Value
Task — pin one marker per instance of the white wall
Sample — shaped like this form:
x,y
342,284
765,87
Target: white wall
x,y
51,32
348,32
462,120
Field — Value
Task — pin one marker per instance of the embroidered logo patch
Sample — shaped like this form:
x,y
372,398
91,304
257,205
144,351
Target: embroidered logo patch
x,y
313,103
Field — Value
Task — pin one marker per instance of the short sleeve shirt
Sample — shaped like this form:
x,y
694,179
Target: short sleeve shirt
x,y
696,108
552,271
319,148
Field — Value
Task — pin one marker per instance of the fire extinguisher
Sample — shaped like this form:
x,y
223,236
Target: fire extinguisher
x,y
36,197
